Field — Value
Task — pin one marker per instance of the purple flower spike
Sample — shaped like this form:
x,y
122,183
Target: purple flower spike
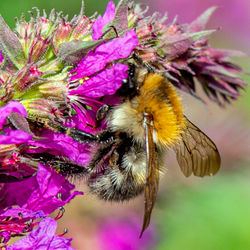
x,y
15,137
16,211
12,106
43,237
46,192
105,83
16,222
98,76
107,52
1,56
62,145
100,22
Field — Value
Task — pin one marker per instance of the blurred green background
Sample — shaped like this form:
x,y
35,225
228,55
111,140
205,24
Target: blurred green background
x,y
191,213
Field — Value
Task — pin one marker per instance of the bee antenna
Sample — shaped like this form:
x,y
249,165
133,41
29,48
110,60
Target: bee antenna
x,y
111,27
139,60
115,30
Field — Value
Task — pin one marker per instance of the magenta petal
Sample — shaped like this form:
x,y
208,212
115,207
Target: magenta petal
x,y
12,106
5,236
61,144
120,47
43,237
105,83
100,22
40,192
50,185
16,211
84,118
1,56
96,61
15,137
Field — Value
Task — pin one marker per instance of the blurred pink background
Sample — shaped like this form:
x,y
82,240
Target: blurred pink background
x,y
232,16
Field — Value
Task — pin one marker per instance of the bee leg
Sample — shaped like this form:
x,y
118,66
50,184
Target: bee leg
x,y
105,137
111,28
76,134
139,60
80,135
62,165
57,127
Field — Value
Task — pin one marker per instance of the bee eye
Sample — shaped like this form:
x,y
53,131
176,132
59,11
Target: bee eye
x,y
125,81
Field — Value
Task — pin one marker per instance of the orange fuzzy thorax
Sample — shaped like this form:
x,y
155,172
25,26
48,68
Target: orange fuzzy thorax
x,y
159,98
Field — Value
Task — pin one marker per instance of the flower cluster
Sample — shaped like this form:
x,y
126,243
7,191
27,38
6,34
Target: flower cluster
x,y
56,74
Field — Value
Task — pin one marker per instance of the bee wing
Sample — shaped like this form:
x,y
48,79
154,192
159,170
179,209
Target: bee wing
x,y
152,179
196,153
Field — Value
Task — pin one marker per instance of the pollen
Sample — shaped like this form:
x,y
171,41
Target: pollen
x,y
159,98
81,81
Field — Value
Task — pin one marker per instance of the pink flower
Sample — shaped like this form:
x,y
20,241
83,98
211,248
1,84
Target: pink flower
x,y
101,22
46,191
43,237
105,53
1,56
16,222
100,77
61,145
10,107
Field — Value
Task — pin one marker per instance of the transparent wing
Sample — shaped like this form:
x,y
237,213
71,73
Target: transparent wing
x,y
152,180
196,153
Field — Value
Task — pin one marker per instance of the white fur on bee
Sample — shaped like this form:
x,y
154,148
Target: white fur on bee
x,y
125,118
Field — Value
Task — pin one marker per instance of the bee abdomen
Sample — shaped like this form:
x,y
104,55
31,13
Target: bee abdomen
x,y
115,186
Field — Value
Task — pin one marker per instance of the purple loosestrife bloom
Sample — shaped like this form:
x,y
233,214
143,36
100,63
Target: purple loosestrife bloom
x,y
1,56
38,86
182,54
17,222
37,197
43,237
101,22
46,191
13,136
55,76
108,80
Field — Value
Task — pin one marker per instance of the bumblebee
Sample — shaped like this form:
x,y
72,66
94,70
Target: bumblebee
x,y
129,157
